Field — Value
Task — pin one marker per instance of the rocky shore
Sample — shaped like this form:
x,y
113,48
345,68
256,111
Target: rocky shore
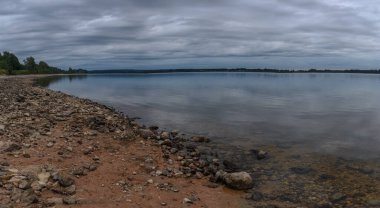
x,y
57,150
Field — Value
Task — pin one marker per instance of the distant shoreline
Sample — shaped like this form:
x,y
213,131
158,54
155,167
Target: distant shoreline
x,y
280,71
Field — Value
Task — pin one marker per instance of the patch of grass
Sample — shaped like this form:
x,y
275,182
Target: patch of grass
x,y
21,72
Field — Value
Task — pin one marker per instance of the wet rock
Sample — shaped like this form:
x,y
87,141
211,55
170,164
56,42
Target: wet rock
x,y
166,142
260,154
200,139
153,128
173,150
174,133
230,166
373,202
255,196
366,170
238,180
165,135
301,170
327,177
337,197
147,134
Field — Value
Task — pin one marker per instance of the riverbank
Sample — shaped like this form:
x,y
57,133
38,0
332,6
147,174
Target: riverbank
x,y
57,149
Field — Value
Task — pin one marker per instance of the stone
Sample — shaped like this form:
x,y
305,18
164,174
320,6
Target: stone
x,y
71,190
260,154
69,200
165,135
173,150
337,197
200,139
301,170
366,170
43,178
24,184
147,134
255,196
54,201
187,201
79,171
211,185
238,180
36,186
92,167
50,144
153,128
26,155
12,147
373,202
2,127
63,179
230,165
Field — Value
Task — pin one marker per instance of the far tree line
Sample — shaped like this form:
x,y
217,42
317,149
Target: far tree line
x,y
10,64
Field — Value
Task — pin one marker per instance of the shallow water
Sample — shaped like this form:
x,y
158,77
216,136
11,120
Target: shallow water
x,y
336,114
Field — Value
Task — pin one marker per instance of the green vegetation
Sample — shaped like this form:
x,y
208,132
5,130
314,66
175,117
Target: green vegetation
x,y
10,65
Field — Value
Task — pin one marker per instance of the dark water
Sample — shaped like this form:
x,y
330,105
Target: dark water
x,y
329,113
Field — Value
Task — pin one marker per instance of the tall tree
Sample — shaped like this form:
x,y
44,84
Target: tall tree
x,y
10,62
42,65
30,64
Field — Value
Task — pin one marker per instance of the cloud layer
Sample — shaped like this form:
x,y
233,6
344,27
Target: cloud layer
x,y
149,34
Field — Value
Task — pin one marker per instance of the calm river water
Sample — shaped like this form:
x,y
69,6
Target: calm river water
x,y
330,113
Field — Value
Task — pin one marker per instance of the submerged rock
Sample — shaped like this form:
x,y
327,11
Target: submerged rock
x,y
301,170
260,154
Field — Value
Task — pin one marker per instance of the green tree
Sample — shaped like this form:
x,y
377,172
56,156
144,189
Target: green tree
x,y
43,66
9,62
30,64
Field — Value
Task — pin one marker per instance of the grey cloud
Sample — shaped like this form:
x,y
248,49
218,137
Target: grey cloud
x,y
149,34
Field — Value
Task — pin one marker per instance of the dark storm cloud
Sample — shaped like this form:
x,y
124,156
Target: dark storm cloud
x,y
198,33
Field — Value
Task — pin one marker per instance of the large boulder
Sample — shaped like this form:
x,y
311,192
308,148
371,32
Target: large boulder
x,y
237,180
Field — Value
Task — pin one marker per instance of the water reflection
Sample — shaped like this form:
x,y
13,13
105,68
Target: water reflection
x,y
332,113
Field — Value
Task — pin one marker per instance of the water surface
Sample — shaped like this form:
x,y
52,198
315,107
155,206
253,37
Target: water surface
x,y
330,113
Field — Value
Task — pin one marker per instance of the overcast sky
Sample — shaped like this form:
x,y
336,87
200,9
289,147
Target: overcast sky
x,y
151,34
